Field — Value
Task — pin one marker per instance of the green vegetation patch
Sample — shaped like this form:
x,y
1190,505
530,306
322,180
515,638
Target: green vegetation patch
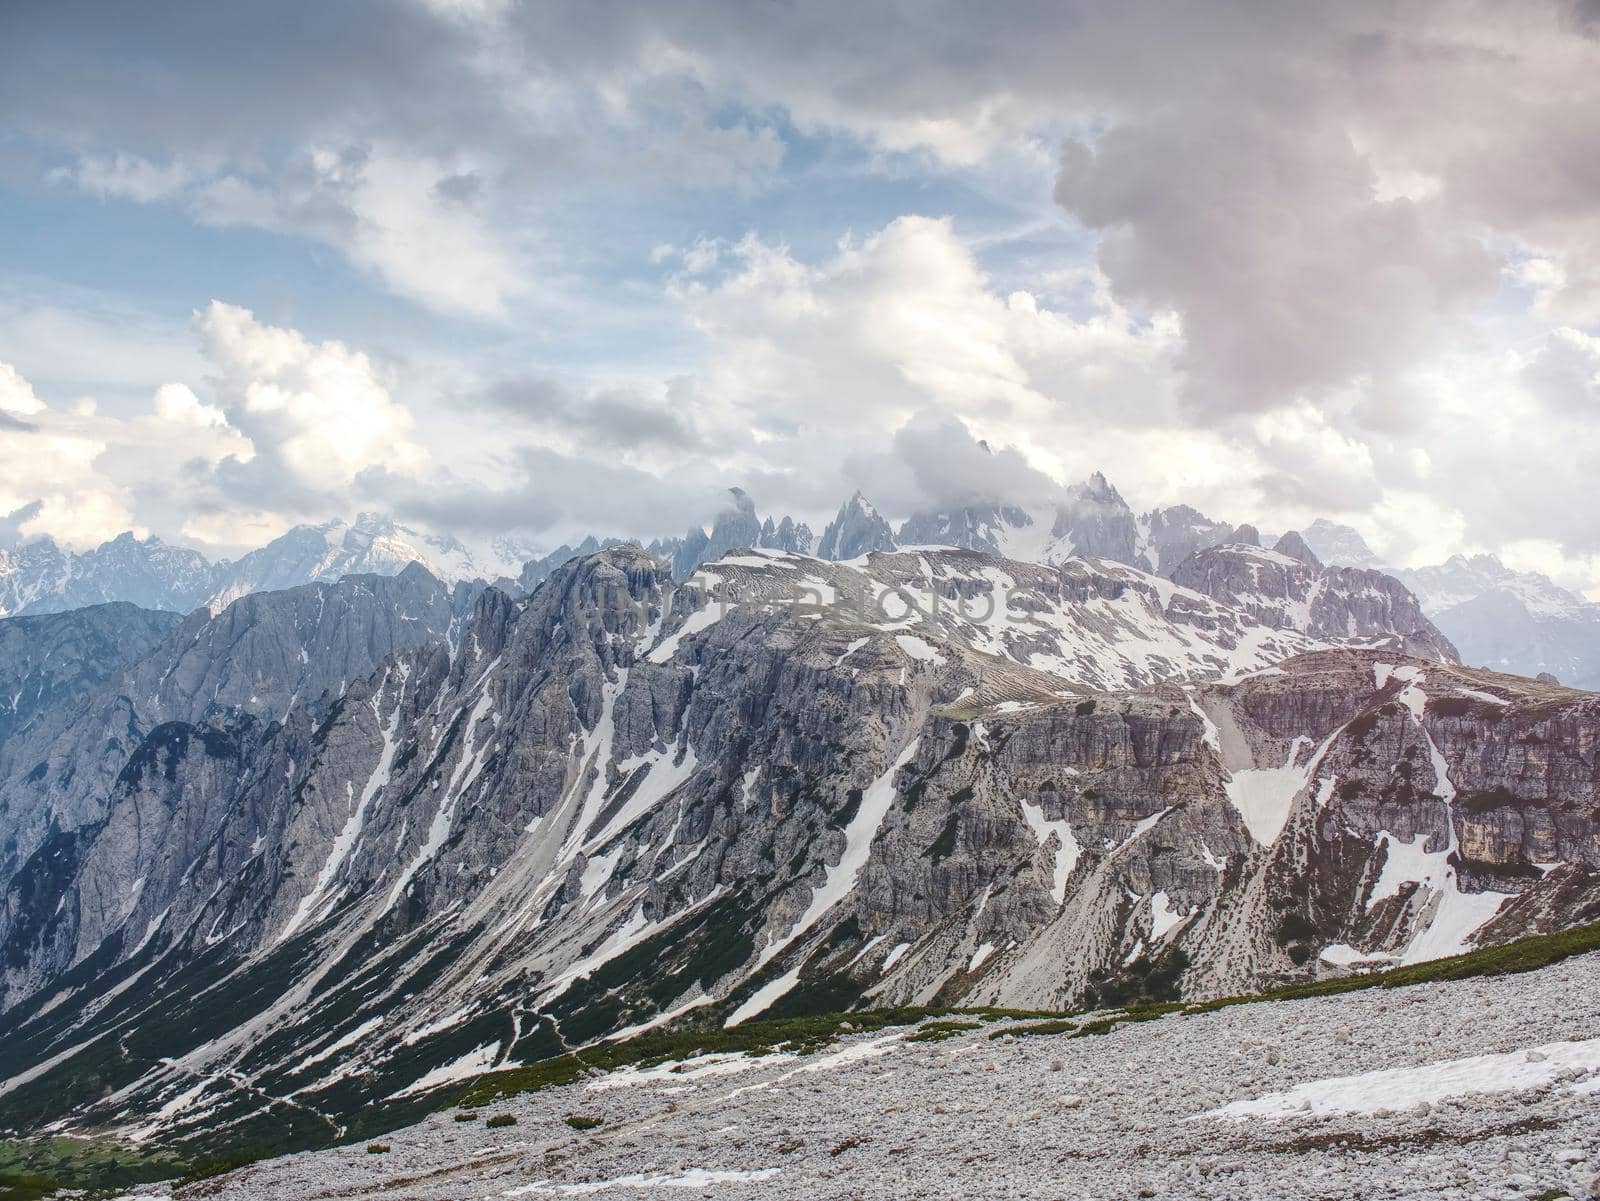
x,y
793,1035
31,1168
1524,955
935,1032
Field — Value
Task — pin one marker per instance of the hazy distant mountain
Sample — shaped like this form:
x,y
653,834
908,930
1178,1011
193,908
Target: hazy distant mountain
x,y
374,544
1338,544
55,660
1516,621
38,576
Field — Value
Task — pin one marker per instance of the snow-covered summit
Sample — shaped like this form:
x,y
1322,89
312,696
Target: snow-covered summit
x,y
373,543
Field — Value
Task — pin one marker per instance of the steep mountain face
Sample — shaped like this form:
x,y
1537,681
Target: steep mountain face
x,y
55,661
857,530
37,576
1093,519
1339,545
1334,603
264,656
1500,629
373,545
1169,536
782,784
1342,809
1517,621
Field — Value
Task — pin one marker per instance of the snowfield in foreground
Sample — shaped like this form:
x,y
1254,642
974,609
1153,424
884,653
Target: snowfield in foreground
x,y
1477,1089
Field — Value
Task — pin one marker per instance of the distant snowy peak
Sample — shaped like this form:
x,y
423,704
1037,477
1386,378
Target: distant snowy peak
x,y
373,544
1463,578
1339,545
38,576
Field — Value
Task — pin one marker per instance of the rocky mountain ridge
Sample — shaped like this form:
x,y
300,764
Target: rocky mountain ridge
x,y
778,785
54,661
262,658
1517,621
38,576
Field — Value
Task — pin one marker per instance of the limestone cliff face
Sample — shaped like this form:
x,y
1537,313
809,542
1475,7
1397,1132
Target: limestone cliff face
x,y
780,784
264,655
1335,603
56,661
1344,809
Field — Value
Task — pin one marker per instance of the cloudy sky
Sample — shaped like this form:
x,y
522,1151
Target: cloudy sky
x,y
553,267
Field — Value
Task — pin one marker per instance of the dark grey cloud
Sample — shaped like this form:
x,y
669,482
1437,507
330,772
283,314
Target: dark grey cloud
x,y
614,418
460,189
1263,232
167,76
11,523
951,468
16,424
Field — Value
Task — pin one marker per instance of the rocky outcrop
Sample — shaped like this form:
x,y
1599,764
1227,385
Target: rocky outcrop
x,y
858,529
1334,603
1294,546
56,661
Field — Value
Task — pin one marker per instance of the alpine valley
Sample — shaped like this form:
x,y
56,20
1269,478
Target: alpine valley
x,y
381,814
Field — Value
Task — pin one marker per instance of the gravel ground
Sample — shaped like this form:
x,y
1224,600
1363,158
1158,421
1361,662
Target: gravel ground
x,y
1117,1116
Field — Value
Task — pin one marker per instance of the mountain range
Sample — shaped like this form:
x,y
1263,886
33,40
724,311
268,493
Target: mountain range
x,y
38,576
1518,622
392,832
401,826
